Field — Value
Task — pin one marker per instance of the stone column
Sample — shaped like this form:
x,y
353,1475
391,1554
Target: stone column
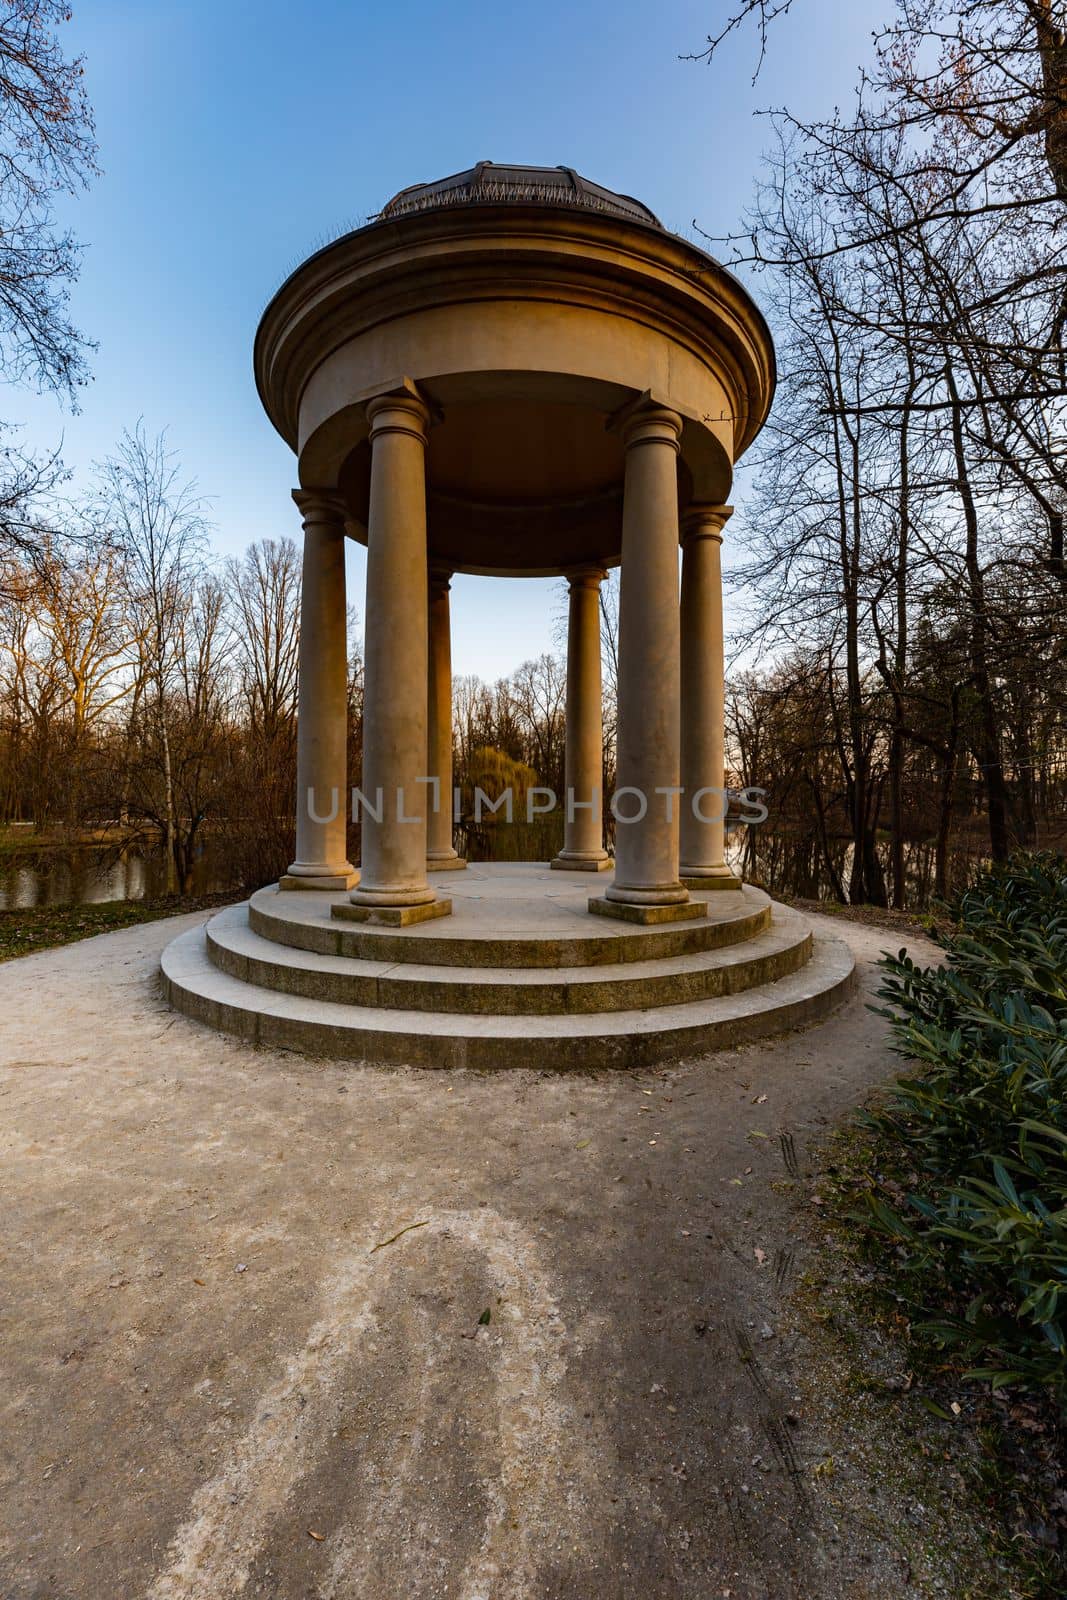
x,y
703,829
392,886
322,718
583,839
440,853
646,802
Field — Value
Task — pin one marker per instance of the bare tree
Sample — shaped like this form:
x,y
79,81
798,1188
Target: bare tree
x,y
264,621
158,523
609,661
47,148
80,607
538,695
198,721
264,587
992,70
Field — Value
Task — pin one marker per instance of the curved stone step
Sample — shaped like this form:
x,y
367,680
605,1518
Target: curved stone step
x,y
373,1035
561,937
236,949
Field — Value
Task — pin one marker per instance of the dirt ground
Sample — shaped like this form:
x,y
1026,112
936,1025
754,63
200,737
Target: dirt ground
x,y
273,1326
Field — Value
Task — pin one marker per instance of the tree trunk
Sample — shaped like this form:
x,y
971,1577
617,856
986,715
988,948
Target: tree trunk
x,y
988,749
170,832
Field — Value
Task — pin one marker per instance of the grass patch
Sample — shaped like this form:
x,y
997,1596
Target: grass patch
x,y
22,932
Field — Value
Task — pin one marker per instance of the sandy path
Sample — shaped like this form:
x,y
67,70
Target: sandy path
x,y
215,1385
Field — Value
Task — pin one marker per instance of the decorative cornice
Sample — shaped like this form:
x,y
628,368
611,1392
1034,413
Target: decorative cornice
x,y
514,252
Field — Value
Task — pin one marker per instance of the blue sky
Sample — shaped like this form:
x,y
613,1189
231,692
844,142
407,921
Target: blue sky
x,y
235,137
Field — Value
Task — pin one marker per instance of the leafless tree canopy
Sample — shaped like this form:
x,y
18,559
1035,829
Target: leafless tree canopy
x,y
904,541
47,147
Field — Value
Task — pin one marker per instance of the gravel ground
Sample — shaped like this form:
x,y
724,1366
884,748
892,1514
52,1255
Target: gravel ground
x,y
274,1326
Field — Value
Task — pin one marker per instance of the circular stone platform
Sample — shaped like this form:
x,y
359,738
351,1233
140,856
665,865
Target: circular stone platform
x,y
519,975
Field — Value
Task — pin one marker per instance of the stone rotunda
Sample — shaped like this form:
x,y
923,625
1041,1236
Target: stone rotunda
x,y
512,371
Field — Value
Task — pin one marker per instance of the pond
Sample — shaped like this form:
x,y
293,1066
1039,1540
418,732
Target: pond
x,y
786,863
91,874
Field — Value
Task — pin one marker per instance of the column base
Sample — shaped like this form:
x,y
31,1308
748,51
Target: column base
x,y
577,862
392,916
668,893
449,863
368,894
718,879
336,881
627,911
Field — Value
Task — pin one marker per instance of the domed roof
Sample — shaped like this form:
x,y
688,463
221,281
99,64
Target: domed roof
x,y
491,183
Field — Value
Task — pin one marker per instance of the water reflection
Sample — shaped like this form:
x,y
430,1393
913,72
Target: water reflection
x,y
784,862
92,874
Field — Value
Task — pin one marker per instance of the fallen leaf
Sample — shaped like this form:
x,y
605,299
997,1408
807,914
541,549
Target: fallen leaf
x,y
760,1255
199,1282
485,1317
319,1538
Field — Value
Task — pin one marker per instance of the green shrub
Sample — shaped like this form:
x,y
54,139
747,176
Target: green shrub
x,y
982,1240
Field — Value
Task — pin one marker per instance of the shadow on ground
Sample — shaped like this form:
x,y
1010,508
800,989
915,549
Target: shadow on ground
x,y
281,1327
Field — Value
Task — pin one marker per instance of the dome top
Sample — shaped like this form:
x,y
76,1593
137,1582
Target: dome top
x,y
490,183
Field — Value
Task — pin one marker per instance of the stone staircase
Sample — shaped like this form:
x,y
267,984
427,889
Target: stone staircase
x,y
519,975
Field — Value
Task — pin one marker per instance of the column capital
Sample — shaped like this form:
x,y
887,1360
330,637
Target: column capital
x,y
585,577
321,505
400,409
440,579
704,522
647,419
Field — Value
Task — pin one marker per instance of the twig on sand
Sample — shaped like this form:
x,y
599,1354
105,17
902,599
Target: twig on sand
x,y
392,1240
